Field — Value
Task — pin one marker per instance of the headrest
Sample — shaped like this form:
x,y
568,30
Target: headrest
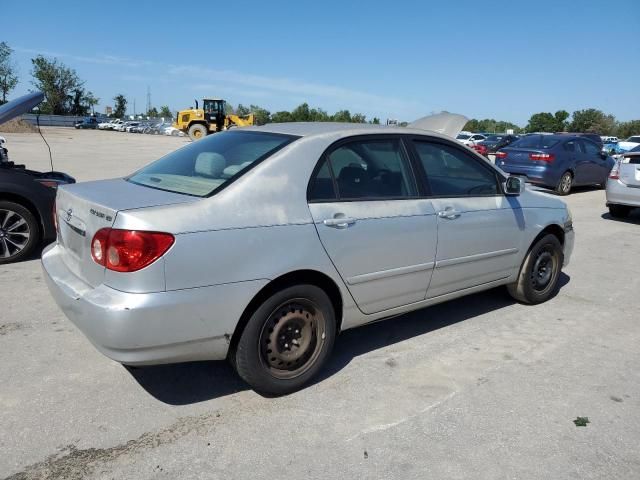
x,y
210,164
352,175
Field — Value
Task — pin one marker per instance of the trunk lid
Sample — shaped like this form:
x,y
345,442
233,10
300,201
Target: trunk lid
x,y
519,156
630,170
83,209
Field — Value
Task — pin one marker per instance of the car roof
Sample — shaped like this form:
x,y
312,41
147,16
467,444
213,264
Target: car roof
x,y
308,129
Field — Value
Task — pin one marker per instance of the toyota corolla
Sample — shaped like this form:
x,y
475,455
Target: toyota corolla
x,y
260,245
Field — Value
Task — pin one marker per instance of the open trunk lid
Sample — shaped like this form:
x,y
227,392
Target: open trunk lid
x,y
83,209
630,169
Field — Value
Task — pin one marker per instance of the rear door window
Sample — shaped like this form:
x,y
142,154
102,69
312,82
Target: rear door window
x,y
365,170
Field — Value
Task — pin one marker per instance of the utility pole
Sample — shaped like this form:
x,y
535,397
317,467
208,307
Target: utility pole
x,y
134,108
148,99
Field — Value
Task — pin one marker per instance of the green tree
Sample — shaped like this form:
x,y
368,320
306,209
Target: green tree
x,y
342,116
301,113
375,121
153,112
626,129
592,120
120,108
262,116
59,83
546,122
358,118
91,101
242,110
77,105
165,111
281,117
8,77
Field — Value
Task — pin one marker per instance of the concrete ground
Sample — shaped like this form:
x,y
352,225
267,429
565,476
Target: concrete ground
x,y
475,388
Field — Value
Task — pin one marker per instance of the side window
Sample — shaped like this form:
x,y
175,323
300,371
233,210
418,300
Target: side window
x,y
372,169
451,172
570,146
321,187
591,149
579,146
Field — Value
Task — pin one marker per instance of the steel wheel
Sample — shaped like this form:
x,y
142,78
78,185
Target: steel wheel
x,y
543,270
289,339
15,233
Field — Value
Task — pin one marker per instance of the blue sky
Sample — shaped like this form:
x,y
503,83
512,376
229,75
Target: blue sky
x,y
392,59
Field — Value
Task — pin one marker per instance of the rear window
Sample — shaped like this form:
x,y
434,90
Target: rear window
x,y
207,165
635,139
495,138
535,141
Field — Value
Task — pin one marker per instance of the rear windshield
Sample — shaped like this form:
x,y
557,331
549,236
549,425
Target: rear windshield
x,y
495,138
205,166
633,139
463,136
535,141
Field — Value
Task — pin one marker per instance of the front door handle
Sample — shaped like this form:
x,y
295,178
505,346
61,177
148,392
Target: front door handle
x,y
449,214
339,221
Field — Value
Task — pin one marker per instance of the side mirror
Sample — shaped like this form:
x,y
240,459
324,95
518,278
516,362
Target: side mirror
x,y
604,155
514,186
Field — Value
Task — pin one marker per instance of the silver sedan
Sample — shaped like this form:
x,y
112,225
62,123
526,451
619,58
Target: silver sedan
x,y
623,185
259,245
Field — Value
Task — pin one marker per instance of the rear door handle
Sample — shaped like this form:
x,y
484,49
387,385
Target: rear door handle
x,y
339,222
449,214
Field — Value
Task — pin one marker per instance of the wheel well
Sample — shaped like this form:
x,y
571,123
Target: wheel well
x,y
26,203
310,277
198,122
555,230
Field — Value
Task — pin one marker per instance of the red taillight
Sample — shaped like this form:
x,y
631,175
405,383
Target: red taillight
x,y
128,250
49,183
544,157
614,174
501,154
481,149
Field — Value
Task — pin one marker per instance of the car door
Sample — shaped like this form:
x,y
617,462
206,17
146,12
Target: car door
x,y
597,165
378,232
583,169
479,228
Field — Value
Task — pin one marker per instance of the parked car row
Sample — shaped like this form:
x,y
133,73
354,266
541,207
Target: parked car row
x,y
139,126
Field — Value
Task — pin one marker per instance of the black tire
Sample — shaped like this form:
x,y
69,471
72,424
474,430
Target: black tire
x,y
538,277
287,340
197,131
19,232
564,185
619,211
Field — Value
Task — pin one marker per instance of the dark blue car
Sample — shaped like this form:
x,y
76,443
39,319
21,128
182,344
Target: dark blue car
x,y
556,161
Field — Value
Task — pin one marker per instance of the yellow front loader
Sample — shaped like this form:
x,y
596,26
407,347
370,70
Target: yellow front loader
x,y
211,118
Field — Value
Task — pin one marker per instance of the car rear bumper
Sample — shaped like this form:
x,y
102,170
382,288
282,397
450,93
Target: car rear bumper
x,y
569,240
619,193
152,328
536,174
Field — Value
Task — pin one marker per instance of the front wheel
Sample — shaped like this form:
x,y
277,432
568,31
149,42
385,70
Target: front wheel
x,y
197,131
287,340
565,183
19,232
539,273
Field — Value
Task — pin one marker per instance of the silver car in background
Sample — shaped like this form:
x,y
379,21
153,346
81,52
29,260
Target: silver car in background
x,y
260,245
623,185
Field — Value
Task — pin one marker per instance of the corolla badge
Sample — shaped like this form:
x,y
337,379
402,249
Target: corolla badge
x,y
69,214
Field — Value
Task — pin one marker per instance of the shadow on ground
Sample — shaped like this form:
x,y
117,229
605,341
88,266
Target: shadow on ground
x,y
186,383
633,218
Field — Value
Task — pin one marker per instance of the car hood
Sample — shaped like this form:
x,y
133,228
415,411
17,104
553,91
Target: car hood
x,y
449,124
20,105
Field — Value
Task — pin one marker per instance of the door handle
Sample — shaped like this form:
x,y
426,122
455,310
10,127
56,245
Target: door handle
x,y
449,214
339,221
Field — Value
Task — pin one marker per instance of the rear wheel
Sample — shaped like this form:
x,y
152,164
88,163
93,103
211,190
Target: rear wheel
x,y
197,131
564,185
619,211
539,273
19,232
287,340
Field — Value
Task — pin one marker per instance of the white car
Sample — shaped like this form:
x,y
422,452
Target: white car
x,y
173,131
631,142
110,125
470,139
610,139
